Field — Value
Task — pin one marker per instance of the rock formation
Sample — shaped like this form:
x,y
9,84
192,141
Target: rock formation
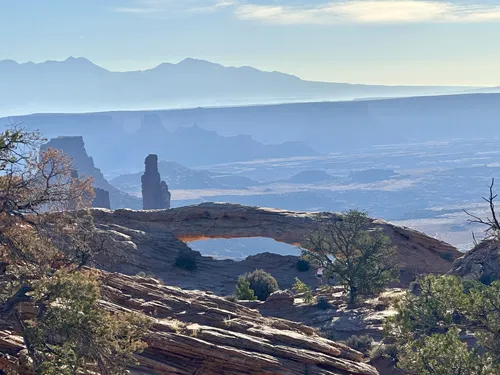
x,y
155,194
101,199
166,196
482,263
74,148
158,236
199,333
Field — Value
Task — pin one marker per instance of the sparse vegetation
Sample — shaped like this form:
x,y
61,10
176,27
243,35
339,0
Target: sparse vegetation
x,y
243,291
427,328
176,325
360,258
262,283
385,351
302,265
73,332
47,240
186,260
302,288
362,344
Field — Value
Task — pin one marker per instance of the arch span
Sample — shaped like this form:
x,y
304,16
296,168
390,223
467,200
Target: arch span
x,y
417,252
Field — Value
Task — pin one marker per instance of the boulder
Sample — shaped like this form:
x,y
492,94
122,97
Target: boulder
x,y
281,299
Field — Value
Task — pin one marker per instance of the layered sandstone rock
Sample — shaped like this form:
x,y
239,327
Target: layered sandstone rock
x,y
198,333
155,194
159,233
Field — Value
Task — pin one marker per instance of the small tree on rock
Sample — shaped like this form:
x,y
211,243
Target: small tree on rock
x,y
360,258
302,288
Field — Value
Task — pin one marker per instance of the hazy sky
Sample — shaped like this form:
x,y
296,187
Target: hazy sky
x,y
363,41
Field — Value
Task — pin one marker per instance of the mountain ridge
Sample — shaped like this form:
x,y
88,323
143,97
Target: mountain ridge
x,y
76,84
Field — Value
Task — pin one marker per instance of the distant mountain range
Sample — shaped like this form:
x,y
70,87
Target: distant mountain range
x,y
78,85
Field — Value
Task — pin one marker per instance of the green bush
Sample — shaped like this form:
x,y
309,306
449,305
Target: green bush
x,y
362,344
262,283
243,291
323,304
301,288
186,261
427,327
385,351
302,265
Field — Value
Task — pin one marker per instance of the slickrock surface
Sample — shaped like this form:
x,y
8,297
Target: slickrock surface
x,y
156,235
199,333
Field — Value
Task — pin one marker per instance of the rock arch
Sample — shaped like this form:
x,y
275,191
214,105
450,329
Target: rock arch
x,y
417,252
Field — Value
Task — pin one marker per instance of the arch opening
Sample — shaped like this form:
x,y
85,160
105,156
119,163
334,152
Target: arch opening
x,y
241,248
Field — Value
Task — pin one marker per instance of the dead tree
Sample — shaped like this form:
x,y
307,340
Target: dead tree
x,y
492,223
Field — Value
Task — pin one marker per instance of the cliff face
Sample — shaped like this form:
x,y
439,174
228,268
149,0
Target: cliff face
x,y
157,236
199,333
74,148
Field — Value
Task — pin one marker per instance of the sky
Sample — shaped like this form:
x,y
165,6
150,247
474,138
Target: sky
x,y
418,42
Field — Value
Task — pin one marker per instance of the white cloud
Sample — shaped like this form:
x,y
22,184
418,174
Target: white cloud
x,y
163,7
370,11
332,12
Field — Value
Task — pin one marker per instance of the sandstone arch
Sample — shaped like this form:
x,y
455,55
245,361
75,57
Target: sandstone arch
x,y
417,252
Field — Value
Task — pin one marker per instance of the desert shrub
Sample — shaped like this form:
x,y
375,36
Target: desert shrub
x,y
427,327
84,335
323,304
243,291
362,344
301,288
186,261
262,283
302,265
385,351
